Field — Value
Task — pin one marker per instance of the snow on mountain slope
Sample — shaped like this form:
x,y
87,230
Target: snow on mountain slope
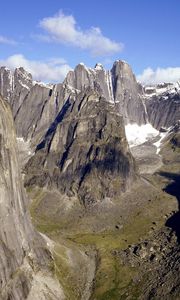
x,y
137,135
159,142
163,88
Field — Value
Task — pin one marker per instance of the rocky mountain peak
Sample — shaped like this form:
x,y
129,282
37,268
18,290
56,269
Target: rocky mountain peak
x,y
23,77
99,67
81,175
86,145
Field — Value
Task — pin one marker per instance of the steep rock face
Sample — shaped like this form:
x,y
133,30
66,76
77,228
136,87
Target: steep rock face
x,y
15,86
6,83
97,78
84,148
163,105
22,83
21,248
128,93
34,112
118,85
34,105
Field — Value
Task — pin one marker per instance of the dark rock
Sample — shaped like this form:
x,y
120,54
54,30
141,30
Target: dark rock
x,y
85,148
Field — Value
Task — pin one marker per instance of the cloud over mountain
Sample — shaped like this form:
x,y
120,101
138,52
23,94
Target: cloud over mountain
x,y
63,29
52,70
150,76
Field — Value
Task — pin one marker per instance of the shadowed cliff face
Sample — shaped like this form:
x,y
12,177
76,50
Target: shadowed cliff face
x,y
163,110
21,248
84,152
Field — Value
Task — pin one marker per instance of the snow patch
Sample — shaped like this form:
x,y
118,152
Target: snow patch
x,y
99,67
24,149
159,142
42,84
110,86
24,85
137,135
163,88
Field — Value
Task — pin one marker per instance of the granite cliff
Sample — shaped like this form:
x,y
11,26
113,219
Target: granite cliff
x,y
24,256
109,218
36,105
84,147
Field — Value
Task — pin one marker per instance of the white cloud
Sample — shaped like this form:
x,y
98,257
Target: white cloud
x,y
150,76
63,29
52,70
7,41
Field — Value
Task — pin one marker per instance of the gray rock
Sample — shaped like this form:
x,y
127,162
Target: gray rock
x,y
163,110
128,93
35,105
22,250
85,147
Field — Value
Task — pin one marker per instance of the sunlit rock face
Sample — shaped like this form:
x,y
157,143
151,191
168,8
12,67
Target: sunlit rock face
x,y
16,233
128,93
22,250
35,105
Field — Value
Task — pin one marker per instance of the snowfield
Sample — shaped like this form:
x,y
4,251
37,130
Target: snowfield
x,y
137,135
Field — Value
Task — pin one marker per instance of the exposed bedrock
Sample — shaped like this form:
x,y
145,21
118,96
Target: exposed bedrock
x,y
85,151
22,251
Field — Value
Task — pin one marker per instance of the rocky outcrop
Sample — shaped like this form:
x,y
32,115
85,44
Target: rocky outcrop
x,y
163,105
157,260
22,250
85,147
97,78
118,85
128,93
35,105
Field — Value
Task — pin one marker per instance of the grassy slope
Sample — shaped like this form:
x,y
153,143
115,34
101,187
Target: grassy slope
x,y
113,280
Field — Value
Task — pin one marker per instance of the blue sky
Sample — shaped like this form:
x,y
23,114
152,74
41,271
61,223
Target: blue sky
x,y
49,37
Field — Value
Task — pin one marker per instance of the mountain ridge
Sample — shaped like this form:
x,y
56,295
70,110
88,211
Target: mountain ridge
x,y
101,203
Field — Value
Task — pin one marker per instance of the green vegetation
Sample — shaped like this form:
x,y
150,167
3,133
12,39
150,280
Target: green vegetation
x,y
113,279
64,273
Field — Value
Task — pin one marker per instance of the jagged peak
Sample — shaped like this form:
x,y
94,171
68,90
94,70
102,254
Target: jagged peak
x,y
81,65
43,84
4,68
99,66
22,72
121,65
121,62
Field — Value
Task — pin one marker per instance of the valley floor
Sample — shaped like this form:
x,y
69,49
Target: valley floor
x,y
126,249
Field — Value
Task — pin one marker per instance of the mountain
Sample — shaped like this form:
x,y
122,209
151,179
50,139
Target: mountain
x,y
163,104
36,105
24,256
99,159
83,147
